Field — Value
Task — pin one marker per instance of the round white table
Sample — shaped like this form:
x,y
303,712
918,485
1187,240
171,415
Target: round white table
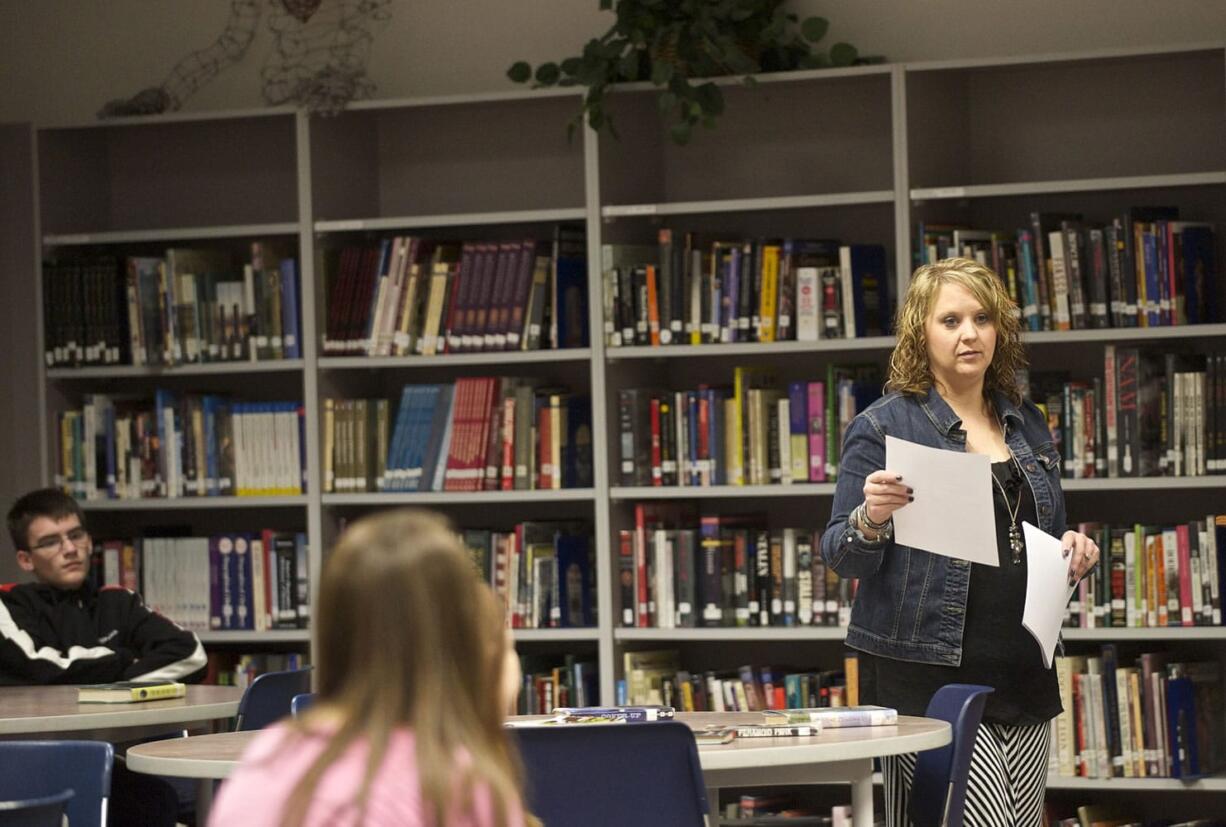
x,y
843,755
31,710
835,756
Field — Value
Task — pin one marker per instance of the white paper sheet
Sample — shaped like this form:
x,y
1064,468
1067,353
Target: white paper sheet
x,y
953,513
1047,589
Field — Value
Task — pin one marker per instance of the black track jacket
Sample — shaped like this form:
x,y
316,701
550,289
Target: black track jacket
x,y
51,636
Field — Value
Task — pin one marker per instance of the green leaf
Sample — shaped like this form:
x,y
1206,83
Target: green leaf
x,y
814,28
605,5
628,65
547,74
571,66
667,101
710,98
662,72
520,72
843,54
680,133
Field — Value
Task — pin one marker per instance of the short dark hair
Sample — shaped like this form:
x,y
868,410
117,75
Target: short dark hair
x,y
45,502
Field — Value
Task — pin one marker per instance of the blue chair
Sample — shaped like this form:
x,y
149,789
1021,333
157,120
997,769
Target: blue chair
x,y
938,791
649,775
301,703
36,769
269,696
47,811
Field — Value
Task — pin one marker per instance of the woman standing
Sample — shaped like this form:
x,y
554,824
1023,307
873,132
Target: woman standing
x,y
923,620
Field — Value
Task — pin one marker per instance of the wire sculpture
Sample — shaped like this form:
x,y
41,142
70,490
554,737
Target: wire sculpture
x,y
319,56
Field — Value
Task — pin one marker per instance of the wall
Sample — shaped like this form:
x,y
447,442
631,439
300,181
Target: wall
x,y
60,60
20,461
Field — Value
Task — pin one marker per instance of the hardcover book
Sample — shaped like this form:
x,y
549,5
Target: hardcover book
x,y
126,692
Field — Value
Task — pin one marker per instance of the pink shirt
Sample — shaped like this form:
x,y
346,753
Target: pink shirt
x,y
255,794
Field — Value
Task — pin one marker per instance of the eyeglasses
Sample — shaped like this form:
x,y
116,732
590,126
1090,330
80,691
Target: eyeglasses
x,y
78,536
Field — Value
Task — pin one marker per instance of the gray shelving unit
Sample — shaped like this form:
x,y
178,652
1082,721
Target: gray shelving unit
x,y
859,154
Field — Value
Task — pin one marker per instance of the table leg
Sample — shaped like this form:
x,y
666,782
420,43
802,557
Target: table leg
x,y
204,799
862,797
713,813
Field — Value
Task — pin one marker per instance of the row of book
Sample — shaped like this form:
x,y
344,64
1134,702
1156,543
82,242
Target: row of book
x,y
544,572
479,433
1113,815
678,570
190,305
549,681
186,445
239,581
227,668
687,291
1150,414
1155,718
1153,576
655,676
757,432
1145,268
408,295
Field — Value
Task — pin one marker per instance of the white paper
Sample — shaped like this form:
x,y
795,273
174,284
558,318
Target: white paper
x,y
952,513
1047,589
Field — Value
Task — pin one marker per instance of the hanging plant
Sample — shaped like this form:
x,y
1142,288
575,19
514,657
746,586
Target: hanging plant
x,y
673,42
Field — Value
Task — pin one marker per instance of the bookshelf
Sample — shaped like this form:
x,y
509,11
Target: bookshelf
x,y
860,154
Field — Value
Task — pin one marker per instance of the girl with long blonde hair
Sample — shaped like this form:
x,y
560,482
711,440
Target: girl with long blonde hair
x,y
414,675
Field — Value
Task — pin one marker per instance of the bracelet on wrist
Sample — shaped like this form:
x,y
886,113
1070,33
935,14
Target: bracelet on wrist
x,y
868,522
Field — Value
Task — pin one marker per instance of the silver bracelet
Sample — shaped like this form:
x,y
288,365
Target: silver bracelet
x,y
863,519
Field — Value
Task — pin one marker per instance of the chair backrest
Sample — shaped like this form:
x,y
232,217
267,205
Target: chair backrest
x,y
34,769
269,696
938,791
640,774
47,811
301,703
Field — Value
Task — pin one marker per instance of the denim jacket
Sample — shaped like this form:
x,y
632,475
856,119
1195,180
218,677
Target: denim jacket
x,y
911,604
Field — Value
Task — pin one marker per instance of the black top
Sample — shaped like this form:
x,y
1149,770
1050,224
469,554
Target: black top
x,y
997,650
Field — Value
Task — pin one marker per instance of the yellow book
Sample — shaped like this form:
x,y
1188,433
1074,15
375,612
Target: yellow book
x,y
736,426
770,292
402,339
127,692
329,476
429,342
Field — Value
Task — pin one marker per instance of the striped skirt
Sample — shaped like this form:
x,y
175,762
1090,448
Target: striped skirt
x,y
1008,778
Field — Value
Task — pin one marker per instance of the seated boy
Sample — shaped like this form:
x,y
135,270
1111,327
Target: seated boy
x,y
60,629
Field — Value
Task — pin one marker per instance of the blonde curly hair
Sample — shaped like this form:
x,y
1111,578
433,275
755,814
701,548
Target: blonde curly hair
x,y
910,371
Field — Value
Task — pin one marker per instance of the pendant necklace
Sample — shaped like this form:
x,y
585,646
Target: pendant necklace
x,y
1015,533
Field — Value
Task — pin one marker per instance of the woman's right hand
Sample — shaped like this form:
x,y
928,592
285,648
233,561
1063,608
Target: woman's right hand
x,y
884,493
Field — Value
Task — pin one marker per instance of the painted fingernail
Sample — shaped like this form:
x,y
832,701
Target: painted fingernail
x,y
898,477
910,499
1072,581
1067,552
910,490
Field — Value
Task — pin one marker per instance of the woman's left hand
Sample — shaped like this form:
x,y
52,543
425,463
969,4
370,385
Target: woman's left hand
x,y
1082,554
